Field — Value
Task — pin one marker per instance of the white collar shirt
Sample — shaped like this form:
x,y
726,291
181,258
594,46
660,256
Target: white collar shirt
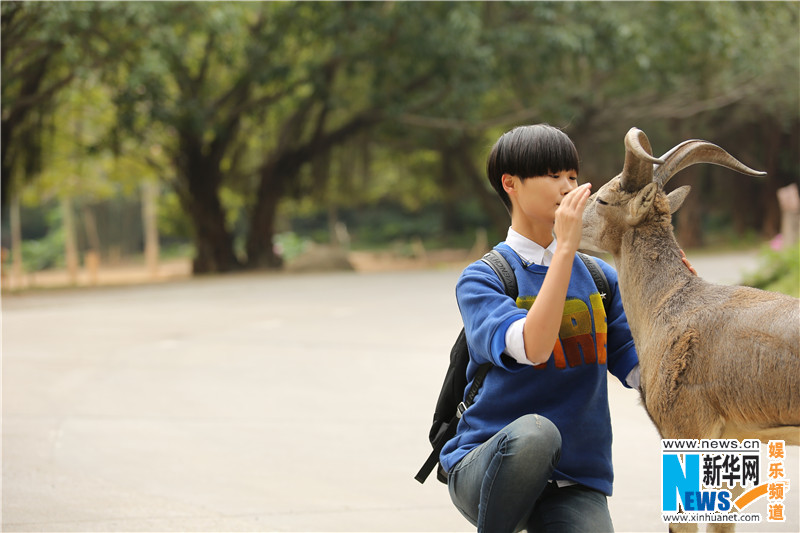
x,y
529,251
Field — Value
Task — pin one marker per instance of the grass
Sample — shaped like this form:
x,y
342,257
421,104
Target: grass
x,y
779,271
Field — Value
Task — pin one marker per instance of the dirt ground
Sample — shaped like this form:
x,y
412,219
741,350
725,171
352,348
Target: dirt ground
x,y
176,269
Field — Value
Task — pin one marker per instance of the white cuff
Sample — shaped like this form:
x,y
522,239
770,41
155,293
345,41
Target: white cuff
x,y
515,342
634,377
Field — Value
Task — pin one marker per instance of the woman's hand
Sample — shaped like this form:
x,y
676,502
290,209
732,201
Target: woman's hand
x,y
687,263
569,219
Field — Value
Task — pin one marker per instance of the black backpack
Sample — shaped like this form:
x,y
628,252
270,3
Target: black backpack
x,y
452,401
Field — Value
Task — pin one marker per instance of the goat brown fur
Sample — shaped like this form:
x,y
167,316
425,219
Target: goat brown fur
x,y
715,360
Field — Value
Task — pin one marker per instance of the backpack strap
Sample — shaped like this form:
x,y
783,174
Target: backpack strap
x,y
450,429
500,265
599,278
503,270
477,382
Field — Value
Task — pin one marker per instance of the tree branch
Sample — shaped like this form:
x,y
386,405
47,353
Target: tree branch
x,y
201,75
300,154
25,55
455,124
36,97
651,105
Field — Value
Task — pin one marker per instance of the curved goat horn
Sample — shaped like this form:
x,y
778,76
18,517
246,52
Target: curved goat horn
x,y
638,169
696,151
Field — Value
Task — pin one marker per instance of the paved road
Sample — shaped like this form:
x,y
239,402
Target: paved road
x,y
254,403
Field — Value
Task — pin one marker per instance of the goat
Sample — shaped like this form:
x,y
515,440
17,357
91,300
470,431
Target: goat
x,y
716,361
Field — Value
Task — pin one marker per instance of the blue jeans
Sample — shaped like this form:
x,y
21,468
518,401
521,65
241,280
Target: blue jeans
x,y
502,485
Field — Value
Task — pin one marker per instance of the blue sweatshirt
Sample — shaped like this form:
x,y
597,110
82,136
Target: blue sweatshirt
x,y
571,389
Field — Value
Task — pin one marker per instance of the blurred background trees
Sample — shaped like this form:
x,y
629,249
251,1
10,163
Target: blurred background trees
x,y
239,122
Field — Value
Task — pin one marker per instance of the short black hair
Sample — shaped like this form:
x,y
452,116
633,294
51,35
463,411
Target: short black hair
x,y
527,151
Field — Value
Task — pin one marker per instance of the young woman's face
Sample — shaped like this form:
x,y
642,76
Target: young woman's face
x,y
539,197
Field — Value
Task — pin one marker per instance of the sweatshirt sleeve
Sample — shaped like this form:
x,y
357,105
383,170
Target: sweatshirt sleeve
x,y
487,312
622,356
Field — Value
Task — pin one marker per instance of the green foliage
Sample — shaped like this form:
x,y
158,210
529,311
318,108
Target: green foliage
x,y
48,48
779,271
209,96
290,245
172,221
48,251
377,224
44,253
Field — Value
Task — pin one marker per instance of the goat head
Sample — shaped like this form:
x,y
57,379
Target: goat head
x,y
629,198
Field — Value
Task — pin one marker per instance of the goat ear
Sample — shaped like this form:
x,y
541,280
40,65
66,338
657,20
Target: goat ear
x,y
677,197
641,203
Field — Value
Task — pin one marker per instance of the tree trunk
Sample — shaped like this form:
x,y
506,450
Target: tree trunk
x,y
13,125
150,219
6,164
281,168
743,211
260,251
321,169
771,221
789,200
213,242
70,240
16,240
90,225
689,218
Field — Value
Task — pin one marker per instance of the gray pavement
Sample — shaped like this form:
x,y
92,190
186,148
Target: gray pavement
x,y
257,403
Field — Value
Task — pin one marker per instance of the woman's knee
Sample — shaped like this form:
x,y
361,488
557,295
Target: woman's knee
x,y
533,434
